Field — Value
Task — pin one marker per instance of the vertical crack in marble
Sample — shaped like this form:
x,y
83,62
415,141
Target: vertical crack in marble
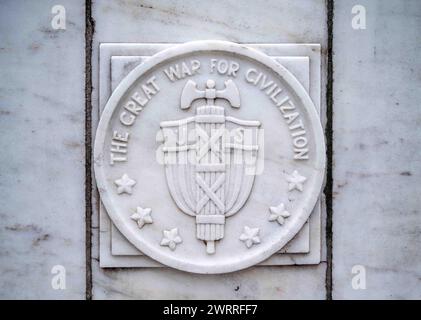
x,y
329,151
89,31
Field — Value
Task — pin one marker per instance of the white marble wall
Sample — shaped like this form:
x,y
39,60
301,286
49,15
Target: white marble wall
x,y
180,21
377,117
42,150
376,215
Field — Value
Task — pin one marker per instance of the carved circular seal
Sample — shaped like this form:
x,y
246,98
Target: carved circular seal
x,y
209,157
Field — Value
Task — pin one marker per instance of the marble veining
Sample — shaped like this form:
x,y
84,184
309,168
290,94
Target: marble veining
x,y
377,150
42,163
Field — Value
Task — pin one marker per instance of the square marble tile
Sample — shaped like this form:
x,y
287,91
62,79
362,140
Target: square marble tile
x,y
117,60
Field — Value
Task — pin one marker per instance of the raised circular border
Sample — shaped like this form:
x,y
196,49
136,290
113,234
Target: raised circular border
x,y
180,50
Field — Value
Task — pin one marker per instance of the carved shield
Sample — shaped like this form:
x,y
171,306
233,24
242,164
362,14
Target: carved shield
x,y
210,165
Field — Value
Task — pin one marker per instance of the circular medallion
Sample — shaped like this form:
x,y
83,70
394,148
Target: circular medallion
x,y
209,157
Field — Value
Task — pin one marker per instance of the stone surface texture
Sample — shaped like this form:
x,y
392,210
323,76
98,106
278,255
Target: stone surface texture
x,y
170,21
376,121
42,159
377,150
118,59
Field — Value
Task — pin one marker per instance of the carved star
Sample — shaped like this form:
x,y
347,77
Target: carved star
x,y
171,238
278,214
295,181
142,216
124,184
250,236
